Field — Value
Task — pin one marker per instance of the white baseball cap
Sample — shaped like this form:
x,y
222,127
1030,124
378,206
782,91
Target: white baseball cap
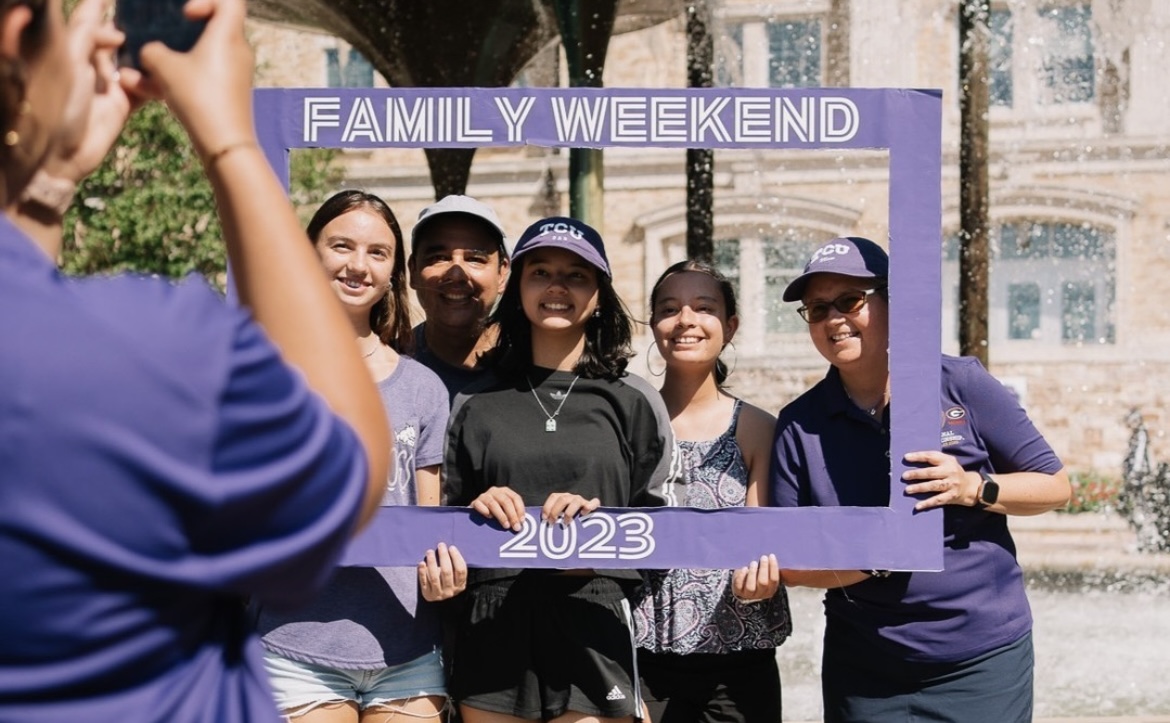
x,y
464,205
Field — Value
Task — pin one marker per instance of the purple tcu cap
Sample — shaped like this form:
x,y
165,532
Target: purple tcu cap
x,y
463,205
848,256
565,233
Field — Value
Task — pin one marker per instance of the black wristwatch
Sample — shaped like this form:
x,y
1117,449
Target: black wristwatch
x,y
988,490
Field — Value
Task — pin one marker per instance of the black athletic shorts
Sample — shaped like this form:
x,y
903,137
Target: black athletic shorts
x,y
736,687
540,645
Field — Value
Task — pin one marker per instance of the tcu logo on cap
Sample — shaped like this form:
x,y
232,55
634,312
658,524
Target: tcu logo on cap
x,y
829,252
563,228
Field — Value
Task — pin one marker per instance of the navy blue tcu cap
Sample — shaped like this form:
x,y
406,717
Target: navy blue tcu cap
x,y
848,256
565,233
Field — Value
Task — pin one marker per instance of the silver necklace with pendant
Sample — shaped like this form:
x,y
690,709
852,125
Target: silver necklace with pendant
x,y
551,424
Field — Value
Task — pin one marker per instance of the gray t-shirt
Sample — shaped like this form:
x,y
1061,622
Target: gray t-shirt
x,y
369,618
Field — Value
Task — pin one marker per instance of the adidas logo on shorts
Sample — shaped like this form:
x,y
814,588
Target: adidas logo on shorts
x,y
615,694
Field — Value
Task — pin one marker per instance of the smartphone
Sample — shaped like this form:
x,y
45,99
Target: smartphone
x,y
145,21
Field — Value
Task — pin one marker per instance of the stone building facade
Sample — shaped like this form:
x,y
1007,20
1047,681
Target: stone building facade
x,y
1080,185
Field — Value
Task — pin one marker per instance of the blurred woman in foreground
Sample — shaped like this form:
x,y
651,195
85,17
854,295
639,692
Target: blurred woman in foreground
x,y
162,454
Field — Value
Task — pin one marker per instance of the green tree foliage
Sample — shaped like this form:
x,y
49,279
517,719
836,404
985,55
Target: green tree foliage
x,y
149,208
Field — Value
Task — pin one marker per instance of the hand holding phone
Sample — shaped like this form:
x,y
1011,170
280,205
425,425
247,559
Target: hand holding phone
x,y
144,21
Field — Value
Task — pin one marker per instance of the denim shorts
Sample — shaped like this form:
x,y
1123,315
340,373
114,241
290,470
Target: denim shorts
x,y
300,687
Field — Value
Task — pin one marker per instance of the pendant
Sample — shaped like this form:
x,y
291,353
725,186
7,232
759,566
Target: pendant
x,y
550,425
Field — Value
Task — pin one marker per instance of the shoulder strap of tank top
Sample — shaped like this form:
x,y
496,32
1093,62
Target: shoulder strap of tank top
x,y
734,418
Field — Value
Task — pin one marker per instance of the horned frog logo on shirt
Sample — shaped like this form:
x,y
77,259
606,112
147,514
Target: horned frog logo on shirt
x,y
407,436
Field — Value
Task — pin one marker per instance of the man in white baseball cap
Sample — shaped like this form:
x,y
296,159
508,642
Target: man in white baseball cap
x,y
458,268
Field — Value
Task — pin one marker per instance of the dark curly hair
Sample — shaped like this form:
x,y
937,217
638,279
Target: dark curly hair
x,y
390,317
725,288
608,333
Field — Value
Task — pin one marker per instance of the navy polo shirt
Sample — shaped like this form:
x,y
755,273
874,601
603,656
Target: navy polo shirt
x,y
827,452
158,462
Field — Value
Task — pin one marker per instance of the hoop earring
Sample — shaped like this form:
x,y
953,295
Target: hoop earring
x,y
734,357
649,355
12,137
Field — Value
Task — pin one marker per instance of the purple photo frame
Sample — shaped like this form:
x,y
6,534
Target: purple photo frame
x,y
907,123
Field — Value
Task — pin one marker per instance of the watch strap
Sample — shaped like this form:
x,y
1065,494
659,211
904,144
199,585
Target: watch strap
x,y
988,490
52,194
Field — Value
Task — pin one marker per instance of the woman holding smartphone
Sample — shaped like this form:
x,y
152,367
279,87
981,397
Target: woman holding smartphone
x,y
164,454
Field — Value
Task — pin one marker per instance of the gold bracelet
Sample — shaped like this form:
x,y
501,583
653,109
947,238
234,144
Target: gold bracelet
x,y
212,158
49,193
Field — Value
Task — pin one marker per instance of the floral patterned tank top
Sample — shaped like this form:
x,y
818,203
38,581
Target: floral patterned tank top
x,y
694,611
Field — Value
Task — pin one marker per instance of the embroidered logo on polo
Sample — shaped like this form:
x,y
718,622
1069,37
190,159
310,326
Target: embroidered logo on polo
x,y
951,438
615,694
953,417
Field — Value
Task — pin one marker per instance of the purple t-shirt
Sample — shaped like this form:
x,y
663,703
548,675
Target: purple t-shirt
x,y
158,462
370,618
828,453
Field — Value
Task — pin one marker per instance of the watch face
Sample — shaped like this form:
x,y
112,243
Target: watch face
x,y
990,492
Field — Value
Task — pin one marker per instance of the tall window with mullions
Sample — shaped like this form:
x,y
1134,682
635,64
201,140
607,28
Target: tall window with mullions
x,y
794,50
1051,283
784,259
782,52
1067,71
759,267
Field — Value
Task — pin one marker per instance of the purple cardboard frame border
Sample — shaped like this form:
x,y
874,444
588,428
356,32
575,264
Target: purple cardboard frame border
x,y
906,122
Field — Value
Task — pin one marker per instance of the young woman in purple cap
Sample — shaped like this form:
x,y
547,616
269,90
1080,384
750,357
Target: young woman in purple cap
x,y
563,426
707,638
953,645
367,648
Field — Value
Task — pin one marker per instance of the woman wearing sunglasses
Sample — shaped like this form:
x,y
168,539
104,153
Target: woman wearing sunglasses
x,y
953,645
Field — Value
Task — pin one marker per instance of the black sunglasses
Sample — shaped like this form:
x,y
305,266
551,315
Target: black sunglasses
x,y
850,302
